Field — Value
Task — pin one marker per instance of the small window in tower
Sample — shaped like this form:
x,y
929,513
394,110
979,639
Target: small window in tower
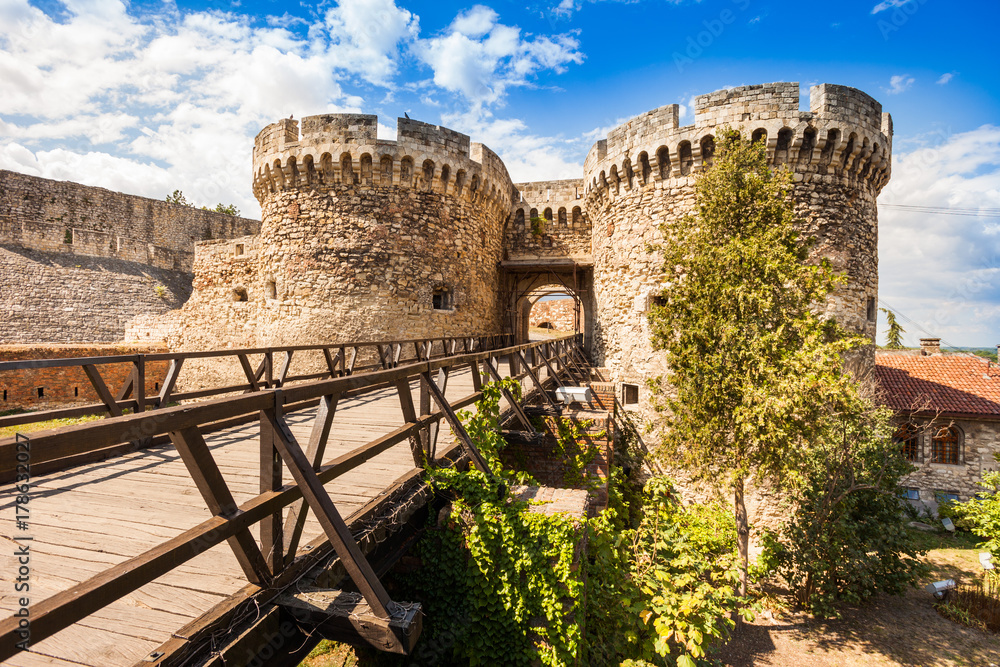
x,y
76,392
630,394
240,294
271,289
239,249
442,299
5,394
872,310
41,392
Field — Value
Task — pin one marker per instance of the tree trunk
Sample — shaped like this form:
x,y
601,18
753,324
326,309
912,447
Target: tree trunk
x,y
742,533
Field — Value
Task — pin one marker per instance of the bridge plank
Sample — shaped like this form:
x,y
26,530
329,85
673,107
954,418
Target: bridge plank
x,y
99,514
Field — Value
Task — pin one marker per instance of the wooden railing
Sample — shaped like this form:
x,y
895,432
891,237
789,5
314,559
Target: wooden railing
x,y
277,562
261,368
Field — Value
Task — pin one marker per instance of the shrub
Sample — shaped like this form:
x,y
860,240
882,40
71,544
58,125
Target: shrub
x,y
983,512
976,605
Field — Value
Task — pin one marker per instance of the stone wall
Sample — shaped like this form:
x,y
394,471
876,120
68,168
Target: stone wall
x,y
566,231
79,263
643,175
361,239
50,297
69,218
979,441
559,314
42,388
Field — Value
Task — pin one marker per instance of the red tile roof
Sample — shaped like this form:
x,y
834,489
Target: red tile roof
x,y
949,383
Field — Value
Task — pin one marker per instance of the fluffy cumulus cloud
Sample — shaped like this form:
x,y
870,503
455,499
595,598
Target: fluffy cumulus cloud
x,y
480,58
939,236
146,102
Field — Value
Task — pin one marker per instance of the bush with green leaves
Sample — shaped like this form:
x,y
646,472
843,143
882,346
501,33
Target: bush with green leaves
x,y
846,540
982,513
664,592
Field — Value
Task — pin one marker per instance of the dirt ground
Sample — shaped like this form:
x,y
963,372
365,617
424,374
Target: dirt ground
x,y
888,631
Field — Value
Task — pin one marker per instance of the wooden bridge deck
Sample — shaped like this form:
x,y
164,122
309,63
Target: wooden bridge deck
x,y
88,518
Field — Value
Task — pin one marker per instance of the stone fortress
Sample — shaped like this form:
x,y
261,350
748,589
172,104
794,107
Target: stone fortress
x,y
366,239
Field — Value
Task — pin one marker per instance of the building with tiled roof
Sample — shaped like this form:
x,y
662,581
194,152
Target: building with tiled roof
x,y
948,408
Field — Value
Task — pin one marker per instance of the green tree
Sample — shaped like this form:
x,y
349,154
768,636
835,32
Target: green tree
x,y
894,336
177,197
754,369
227,209
983,512
845,540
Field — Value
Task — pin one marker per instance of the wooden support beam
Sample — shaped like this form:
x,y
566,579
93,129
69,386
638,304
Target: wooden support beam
x,y
336,530
435,428
102,390
295,520
345,617
552,372
534,378
248,372
168,383
271,541
206,475
284,367
410,417
456,425
518,410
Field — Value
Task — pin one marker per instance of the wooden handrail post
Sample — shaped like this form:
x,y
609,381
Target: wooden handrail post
x,y
271,540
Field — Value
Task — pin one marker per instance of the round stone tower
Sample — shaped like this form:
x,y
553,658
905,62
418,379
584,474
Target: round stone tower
x,y
367,239
643,175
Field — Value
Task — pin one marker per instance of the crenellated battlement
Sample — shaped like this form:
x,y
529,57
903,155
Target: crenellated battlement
x,y
344,149
844,135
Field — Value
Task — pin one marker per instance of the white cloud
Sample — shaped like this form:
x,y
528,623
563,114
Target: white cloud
x,y
152,100
943,270
945,78
480,58
899,83
889,4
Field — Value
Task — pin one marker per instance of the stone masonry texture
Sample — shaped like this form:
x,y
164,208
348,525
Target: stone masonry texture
x,y
78,262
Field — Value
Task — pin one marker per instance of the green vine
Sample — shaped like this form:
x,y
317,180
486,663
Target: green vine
x,y
501,585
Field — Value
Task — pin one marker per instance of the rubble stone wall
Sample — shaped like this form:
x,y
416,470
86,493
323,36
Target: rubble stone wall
x,y
643,175
565,232
559,314
979,440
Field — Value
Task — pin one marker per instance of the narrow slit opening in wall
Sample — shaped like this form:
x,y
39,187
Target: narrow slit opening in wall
x,y
40,392
441,300
5,395
68,237
872,311
239,249
156,386
76,392
630,394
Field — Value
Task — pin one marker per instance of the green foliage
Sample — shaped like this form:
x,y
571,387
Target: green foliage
x,y
538,226
754,368
229,209
983,512
177,197
663,592
161,291
955,510
975,604
894,336
576,450
845,540
483,426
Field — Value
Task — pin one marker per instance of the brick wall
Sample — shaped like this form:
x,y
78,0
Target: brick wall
x,y
43,388
543,460
559,313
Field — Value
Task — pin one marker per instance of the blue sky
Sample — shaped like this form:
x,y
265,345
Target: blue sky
x,y
152,96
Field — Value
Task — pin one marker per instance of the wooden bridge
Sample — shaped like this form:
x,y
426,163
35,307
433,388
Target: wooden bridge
x,y
233,527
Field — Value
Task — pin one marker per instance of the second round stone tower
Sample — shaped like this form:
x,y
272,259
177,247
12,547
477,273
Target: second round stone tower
x,y
368,239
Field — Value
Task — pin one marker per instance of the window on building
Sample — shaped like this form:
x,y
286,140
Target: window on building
x,y
5,394
41,392
239,249
271,289
945,446
945,496
239,294
442,299
907,437
872,310
909,494
630,394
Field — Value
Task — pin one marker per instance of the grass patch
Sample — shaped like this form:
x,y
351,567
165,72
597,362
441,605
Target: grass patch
x,y
9,431
975,604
